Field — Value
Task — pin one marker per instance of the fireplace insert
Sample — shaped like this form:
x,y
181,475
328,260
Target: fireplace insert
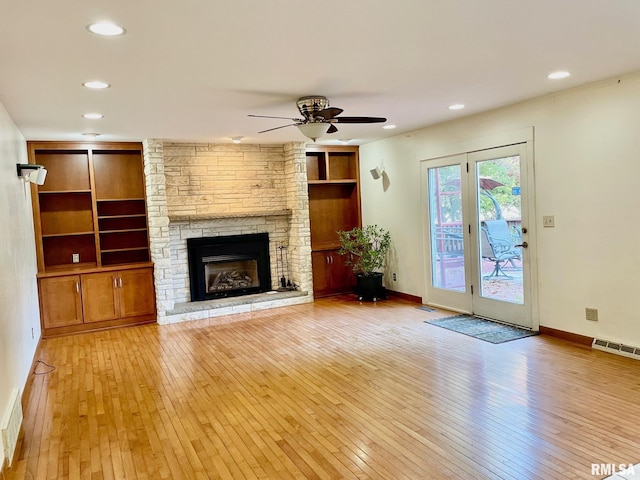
x,y
229,266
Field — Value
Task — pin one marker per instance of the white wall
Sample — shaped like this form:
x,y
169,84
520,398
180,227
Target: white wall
x,y
19,312
587,173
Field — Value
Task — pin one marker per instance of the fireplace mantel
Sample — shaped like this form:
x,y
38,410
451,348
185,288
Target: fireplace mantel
x,y
221,216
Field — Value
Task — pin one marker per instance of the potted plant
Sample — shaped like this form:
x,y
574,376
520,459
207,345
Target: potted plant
x,y
367,248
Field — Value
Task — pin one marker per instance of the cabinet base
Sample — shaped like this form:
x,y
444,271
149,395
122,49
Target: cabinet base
x,y
93,327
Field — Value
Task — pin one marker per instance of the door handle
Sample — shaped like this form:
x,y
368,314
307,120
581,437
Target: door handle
x,y
523,245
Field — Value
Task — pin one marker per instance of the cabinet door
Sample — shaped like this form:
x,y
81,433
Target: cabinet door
x,y
100,296
137,296
321,272
60,301
342,276
330,274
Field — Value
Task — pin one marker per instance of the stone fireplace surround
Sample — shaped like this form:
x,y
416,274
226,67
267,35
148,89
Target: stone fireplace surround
x,y
197,190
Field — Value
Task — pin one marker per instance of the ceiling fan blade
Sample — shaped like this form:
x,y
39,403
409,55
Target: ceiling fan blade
x,y
281,118
283,126
360,119
328,113
332,129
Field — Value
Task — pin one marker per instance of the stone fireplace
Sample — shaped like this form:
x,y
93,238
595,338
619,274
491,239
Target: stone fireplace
x,y
196,191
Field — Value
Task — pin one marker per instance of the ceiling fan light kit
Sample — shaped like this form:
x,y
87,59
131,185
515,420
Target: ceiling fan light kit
x,y
314,130
318,117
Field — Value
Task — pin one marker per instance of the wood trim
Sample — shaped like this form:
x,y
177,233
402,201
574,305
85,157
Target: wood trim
x,y
332,148
94,209
93,269
35,212
4,470
57,145
405,296
571,337
26,389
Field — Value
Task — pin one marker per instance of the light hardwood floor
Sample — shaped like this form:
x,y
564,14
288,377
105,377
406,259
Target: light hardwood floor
x,y
334,389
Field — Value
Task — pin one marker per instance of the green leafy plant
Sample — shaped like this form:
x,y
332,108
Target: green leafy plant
x,y
367,246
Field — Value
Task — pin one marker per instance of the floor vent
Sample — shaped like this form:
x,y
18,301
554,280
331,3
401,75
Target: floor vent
x,y
11,425
616,347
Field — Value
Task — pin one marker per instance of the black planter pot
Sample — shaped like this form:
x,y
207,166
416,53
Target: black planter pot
x,y
369,287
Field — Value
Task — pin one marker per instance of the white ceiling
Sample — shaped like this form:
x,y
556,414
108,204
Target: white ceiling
x,y
192,70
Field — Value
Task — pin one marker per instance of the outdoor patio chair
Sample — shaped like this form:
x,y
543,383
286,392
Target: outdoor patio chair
x,y
497,246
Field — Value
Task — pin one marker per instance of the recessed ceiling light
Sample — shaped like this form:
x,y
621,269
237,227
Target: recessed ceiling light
x,y
106,29
96,84
558,75
90,135
457,106
389,127
93,116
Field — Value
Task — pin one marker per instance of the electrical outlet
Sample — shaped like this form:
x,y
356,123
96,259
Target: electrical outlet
x,y
591,314
394,277
75,258
548,221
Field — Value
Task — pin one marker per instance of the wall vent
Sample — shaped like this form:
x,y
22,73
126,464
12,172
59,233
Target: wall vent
x,y
11,425
617,348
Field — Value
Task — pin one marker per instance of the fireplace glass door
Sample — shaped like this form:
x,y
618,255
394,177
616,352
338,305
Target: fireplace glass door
x,y
224,273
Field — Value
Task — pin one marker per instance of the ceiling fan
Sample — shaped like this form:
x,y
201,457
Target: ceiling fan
x,y
318,117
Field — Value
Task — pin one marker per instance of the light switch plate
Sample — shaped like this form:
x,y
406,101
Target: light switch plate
x,y
75,258
548,221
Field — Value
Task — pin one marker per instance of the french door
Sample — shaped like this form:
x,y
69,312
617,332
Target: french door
x,y
478,234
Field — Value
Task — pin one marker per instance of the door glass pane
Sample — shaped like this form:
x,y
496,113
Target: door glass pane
x,y
447,240
499,228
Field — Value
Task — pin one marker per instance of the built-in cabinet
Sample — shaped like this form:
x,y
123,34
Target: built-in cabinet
x,y
90,300
92,238
334,204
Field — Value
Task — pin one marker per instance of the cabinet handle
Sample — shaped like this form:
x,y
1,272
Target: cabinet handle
x,y
115,282
77,287
120,281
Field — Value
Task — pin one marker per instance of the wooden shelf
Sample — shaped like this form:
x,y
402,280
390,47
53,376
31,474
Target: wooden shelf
x,y
125,257
76,268
58,192
67,234
70,268
334,205
120,208
92,209
123,230
120,199
127,249
346,181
